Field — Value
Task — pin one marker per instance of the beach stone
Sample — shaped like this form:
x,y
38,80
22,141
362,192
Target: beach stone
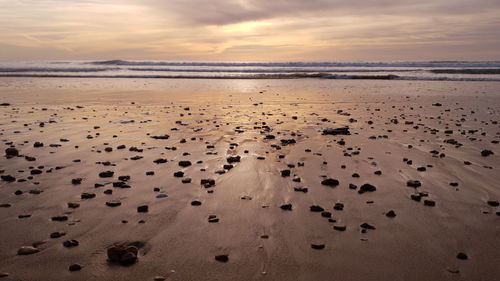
x,y
462,256
76,181
184,163
8,178
213,219
160,161
316,208
430,203
337,131
161,195
179,174
286,207
27,250
366,188
124,178
330,182
122,254
207,182
338,206
340,227
222,258
493,203
87,195
413,183
5,205
60,218
367,226
326,214
161,137
4,274
75,267
416,197
233,159
159,278
55,235
285,173
73,205
486,152
390,214
195,203
11,152
71,243
318,246
113,203
301,189
106,174
143,209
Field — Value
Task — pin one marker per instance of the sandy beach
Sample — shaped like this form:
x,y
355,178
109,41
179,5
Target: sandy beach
x,y
293,179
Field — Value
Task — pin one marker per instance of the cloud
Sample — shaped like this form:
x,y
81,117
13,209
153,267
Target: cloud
x,y
221,12
249,29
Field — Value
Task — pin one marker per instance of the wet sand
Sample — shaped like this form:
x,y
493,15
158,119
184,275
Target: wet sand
x,y
267,191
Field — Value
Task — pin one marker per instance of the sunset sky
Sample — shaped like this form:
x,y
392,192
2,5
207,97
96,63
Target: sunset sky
x,y
250,30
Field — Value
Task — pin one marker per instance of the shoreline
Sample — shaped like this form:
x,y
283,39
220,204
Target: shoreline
x,y
211,121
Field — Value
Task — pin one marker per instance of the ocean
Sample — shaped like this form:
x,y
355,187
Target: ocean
x,y
422,70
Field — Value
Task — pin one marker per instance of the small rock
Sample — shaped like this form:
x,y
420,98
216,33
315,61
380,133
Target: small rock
x,y
301,189
179,174
73,205
71,243
87,195
367,226
113,203
316,208
462,256
493,203
184,163
340,227
486,152
286,207
60,218
124,255
75,267
413,183
143,209
8,178
76,181
318,246
11,152
106,174
233,159
55,235
222,258
390,214
366,188
285,173
336,131
430,203
195,203
330,182
27,250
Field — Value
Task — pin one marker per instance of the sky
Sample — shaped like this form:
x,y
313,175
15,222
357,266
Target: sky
x,y
250,30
